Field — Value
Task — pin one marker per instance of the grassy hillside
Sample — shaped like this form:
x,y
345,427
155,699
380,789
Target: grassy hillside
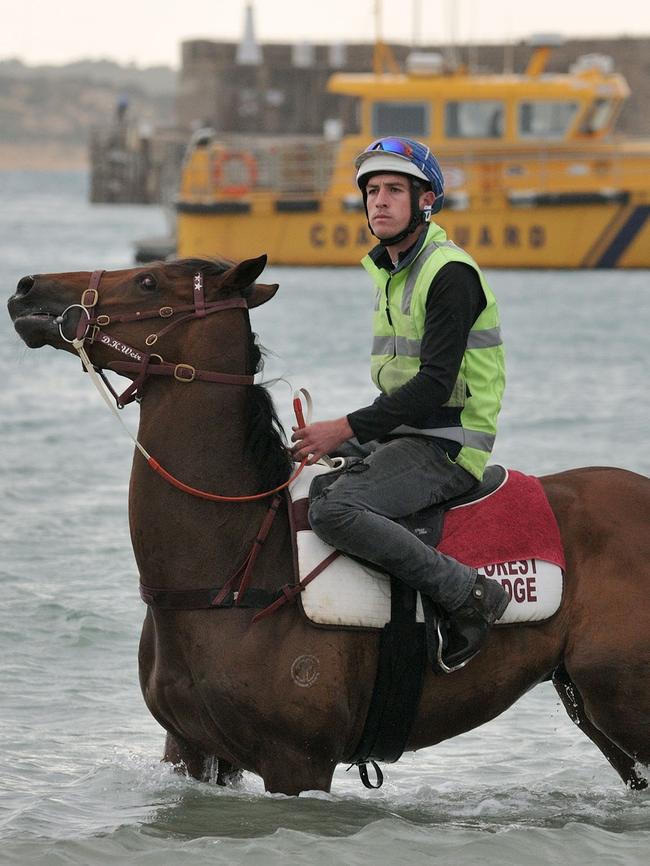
x,y
47,112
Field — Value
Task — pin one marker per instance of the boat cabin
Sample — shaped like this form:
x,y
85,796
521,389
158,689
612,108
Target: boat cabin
x,y
456,109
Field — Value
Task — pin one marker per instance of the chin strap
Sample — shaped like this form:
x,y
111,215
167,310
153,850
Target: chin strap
x,y
410,228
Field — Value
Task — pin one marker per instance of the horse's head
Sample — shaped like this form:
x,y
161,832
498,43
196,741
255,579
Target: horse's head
x,y
132,306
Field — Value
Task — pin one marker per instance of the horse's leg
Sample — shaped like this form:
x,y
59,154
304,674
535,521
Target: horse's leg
x,y
284,775
227,774
186,759
194,762
603,517
574,705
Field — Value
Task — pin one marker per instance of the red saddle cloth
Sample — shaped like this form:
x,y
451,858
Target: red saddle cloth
x,y
514,523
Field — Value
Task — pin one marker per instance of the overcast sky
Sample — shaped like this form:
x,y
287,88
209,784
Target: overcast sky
x,y
148,32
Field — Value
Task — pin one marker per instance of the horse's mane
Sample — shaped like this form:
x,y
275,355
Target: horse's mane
x,y
264,435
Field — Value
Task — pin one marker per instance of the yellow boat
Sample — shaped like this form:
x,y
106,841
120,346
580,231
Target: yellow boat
x,y
535,175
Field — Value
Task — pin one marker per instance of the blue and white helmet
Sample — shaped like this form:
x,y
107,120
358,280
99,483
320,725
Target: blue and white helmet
x,y
403,156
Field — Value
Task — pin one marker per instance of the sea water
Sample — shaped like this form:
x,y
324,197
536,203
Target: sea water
x,y
81,779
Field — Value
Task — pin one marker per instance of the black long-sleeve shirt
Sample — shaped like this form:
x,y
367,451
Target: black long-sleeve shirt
x,y
454,302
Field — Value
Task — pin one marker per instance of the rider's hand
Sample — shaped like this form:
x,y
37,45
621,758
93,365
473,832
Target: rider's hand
x,y
322,437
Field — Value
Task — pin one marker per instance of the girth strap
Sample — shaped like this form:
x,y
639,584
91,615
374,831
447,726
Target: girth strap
x,y
398,684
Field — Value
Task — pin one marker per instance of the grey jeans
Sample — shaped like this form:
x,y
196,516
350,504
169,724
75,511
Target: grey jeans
x,y
357,514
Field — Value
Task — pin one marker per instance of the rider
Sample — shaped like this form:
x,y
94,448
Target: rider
x,y
438,362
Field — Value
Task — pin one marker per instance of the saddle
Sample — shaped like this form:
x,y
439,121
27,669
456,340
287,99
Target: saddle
x,y
448,647
509,534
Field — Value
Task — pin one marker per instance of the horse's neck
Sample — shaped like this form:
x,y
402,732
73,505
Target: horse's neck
x,y
197,430
194,431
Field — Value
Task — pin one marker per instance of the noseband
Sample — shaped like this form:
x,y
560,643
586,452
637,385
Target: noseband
x,y
143,364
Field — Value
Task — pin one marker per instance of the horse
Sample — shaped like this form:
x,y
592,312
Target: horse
x,y
279,697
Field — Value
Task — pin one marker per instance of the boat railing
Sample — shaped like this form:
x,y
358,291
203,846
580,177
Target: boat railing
x,y
241,165
302,169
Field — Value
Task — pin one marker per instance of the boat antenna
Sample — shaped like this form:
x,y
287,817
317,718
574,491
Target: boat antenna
x,y
416,18
508,43
383,58
472,39
451,9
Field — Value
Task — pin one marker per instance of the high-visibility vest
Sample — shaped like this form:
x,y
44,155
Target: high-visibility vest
x,y
469,416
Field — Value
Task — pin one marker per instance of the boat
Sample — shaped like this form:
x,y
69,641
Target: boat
x,y
535,174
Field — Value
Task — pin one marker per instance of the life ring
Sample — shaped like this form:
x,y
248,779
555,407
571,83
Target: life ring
x,y
249,164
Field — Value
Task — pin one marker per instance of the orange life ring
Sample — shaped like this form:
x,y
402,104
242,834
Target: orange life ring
x,y
250,166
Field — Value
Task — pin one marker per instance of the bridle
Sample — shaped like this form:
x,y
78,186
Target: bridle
x,y
145,364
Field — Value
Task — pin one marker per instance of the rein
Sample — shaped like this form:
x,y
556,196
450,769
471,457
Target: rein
x,y
146,364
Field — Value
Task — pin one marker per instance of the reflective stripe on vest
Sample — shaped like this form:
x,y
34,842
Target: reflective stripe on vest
x,y
484,339
404,346
470,438
396,345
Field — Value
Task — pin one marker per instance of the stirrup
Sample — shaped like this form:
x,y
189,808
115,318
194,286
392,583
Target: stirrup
x,y
455,663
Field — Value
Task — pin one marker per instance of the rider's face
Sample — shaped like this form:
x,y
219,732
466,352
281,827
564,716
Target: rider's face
x,y
389,204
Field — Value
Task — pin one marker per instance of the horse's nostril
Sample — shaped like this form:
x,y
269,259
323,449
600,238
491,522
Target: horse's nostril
x,y
24,285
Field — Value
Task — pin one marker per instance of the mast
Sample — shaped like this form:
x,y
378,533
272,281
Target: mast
x,y
383,59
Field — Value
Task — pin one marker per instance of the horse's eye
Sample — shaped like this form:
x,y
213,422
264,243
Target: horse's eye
x,y
148,282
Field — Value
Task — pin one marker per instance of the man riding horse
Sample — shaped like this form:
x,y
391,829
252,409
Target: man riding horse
x,y
286,700
438,361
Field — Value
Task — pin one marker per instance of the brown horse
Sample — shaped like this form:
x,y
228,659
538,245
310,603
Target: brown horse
x,y
235,692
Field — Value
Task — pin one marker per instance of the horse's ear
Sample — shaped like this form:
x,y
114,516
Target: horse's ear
x,y
260,293
240,276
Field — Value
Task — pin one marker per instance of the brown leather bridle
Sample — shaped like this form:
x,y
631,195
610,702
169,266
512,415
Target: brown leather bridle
x,y
144,363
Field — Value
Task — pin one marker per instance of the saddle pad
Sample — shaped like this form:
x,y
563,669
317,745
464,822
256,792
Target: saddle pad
x,y
349,593
515,522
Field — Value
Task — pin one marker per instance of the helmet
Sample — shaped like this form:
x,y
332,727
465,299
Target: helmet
x,y
402,156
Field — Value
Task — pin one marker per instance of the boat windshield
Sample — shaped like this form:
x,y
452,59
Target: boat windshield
x,y
410,118
545,119
474,119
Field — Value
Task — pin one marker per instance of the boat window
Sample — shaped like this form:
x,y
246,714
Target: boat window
x,y
545,119
474,119
400,118
598,116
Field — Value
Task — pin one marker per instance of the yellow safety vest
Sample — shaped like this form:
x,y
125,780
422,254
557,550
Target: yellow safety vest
x,y
398,326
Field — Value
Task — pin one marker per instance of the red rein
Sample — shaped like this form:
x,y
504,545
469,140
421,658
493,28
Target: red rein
x,y
216,497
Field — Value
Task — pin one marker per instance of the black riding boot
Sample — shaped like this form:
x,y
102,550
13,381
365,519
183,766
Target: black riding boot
x,y
468,625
